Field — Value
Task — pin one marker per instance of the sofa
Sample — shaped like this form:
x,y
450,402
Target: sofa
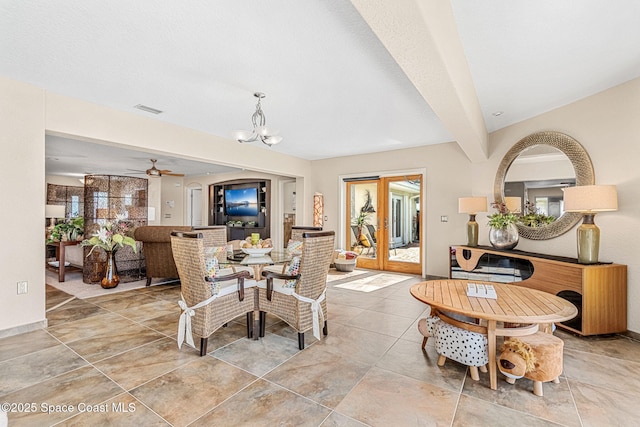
x,y
156,246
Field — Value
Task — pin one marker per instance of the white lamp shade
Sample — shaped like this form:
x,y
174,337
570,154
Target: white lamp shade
x,y
273,140
590,198
514,204
241,135
54,211
472,205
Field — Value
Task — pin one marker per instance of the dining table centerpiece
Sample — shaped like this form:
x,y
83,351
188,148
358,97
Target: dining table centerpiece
x,y
110,237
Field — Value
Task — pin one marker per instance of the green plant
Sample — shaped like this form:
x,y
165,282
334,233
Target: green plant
x,y
362,219
533,218
70,229
501,219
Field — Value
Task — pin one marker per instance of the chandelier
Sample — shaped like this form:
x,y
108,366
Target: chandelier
x,y
260,130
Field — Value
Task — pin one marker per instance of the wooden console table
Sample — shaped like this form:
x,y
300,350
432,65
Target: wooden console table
x,y
599,291
60,255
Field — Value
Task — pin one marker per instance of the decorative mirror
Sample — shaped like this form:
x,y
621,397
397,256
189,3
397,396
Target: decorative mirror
x,y
555,143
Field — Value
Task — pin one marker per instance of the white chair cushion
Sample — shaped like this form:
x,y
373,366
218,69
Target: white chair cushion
x,y
274,268
466,347
278,286
239,268
230,286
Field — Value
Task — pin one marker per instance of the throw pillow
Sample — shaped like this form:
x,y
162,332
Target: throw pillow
x,y
292,269
212,267
214,257
218,252
294,247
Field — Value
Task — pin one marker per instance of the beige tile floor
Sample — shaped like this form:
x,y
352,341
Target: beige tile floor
x,y
113,360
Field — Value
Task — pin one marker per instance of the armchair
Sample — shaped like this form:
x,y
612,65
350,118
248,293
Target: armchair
x,y
299,298
206,308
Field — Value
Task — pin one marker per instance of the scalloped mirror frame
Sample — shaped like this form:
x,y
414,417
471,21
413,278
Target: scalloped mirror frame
x,y
581,164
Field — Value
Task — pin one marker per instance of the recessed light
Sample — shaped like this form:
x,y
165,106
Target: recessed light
x,y
498,113
147,109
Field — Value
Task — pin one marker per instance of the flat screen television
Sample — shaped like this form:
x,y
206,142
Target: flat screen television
x,y
241,201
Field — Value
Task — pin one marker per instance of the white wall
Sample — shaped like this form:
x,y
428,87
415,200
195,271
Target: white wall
x,y
22,252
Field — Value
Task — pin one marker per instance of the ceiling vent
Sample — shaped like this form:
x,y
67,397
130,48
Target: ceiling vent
x,y
147,109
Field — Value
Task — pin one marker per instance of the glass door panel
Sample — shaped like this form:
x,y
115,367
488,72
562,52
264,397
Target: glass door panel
x,y
383,217
403,219
362,212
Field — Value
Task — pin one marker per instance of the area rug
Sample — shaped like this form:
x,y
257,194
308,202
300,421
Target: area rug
x,y
373,283
74,285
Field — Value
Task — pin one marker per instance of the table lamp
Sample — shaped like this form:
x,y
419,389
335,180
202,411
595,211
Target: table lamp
x,y
471,206
54,212
589,200
513,204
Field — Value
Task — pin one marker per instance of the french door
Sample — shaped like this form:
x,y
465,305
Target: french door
x,y
383,222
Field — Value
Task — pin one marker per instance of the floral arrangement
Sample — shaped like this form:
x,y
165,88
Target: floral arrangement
x,y
111,236
503,218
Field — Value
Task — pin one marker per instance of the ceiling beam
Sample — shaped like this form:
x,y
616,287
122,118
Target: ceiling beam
x,y
423,39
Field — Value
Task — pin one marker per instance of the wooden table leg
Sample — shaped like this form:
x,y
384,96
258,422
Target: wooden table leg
x,y
491,344
61,261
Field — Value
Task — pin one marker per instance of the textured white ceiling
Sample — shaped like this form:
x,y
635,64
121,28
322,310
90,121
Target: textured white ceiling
x,y
332,88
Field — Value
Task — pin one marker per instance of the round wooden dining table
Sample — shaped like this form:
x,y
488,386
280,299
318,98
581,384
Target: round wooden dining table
x,y
514,304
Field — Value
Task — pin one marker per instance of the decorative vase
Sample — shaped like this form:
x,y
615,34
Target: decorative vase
x,y
111,279
504,238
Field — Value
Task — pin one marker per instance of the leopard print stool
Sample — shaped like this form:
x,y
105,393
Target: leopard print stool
x,y
466,347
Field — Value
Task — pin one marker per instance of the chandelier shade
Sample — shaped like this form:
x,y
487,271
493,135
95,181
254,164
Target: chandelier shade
x,y
260,131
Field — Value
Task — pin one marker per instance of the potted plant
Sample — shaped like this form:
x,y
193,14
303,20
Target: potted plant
x,y
504,232
70,230
360,222
533,217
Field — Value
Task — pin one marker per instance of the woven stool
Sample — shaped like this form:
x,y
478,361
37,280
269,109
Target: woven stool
x,y
546,352
461,345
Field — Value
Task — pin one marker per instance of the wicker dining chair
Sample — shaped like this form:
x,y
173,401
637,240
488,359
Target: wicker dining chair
x,y
296,236
204,311
299,299
298,230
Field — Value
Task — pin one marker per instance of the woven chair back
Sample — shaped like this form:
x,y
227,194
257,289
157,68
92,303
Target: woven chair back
x,y
188,253
213,235
298,230
314,264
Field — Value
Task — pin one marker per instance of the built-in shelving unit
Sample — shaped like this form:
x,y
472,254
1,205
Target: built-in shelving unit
x,y
599,291
240,226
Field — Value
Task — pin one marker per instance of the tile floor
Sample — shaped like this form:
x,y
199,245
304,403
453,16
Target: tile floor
x,y
113,360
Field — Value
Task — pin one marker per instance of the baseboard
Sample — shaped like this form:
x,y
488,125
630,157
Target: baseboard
x,y
16,330
632,335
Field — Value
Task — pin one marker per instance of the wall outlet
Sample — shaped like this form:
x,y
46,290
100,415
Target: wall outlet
x,y
444,218
23,287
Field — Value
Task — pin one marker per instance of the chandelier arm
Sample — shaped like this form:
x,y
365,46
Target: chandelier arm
x,y
259,120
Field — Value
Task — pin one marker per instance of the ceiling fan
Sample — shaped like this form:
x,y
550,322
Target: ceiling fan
x,y
154,172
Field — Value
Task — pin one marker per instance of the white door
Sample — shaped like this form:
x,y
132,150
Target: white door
x,y
397,222
194,207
